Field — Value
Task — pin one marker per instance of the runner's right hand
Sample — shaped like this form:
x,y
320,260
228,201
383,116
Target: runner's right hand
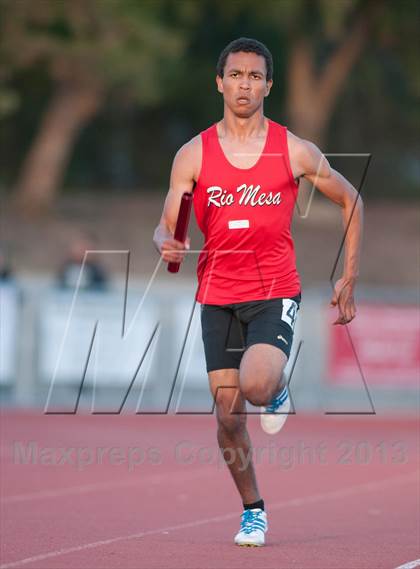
x,y
172,250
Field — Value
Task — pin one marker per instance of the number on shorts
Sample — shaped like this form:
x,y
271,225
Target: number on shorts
x,y
289,312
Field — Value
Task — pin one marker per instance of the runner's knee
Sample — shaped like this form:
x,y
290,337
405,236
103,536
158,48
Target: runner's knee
x,y
230,422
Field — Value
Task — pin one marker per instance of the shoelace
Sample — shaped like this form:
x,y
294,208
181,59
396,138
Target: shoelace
x,y
251,521
278,400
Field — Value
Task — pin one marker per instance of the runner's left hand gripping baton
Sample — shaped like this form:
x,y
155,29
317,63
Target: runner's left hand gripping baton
x,y
182,225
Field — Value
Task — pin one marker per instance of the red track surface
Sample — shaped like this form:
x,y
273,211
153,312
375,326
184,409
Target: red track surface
x,y
338,508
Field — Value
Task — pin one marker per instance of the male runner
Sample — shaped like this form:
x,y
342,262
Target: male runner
x,y
244,172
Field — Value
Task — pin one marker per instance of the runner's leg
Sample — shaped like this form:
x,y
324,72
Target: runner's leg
x,y
232,434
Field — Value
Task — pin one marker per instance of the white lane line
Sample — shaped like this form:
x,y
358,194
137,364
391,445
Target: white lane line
x,y
100,486
409,565
367,487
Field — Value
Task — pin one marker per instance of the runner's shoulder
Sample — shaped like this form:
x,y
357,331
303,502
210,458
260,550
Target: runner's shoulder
x,y
189,155
304,154
299,146
191,150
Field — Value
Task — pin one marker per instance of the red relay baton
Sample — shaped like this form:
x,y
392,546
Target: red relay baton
x,y
182,225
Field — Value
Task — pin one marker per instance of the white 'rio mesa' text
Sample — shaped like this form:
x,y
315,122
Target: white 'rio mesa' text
x,y
249,195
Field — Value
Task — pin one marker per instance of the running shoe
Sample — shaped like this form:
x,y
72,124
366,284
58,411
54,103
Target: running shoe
x,y
275,414
253,527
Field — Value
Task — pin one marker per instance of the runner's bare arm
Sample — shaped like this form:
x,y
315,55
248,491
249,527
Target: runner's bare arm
x,y
183,175
312,164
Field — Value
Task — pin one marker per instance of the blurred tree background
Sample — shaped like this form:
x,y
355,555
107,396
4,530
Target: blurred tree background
x,y
97,95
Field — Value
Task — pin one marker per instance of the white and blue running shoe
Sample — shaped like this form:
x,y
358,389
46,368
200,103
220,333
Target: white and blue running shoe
x,y
275,414
253,528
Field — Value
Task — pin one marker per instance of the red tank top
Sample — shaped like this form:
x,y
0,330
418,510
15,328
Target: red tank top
x,y
245,215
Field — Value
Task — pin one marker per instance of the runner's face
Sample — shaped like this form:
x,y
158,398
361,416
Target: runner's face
x,y
244,83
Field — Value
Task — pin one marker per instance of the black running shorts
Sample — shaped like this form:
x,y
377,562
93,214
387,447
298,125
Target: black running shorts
x,y
229,329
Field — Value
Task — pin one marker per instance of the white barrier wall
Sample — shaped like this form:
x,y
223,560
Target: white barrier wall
x,y
84,335
9,332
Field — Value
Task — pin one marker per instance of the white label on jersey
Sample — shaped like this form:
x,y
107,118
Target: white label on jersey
x,y
238,223
289,312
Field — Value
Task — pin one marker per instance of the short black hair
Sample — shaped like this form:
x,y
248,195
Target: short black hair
x,y
247,45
